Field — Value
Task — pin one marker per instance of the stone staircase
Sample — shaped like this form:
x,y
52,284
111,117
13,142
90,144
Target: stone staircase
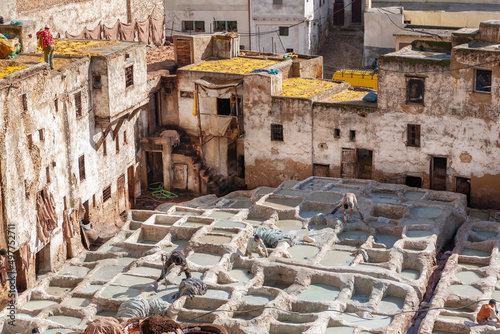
x,y
210,182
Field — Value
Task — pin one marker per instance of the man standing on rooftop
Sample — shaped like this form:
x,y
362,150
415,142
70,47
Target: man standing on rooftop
x,y
48,45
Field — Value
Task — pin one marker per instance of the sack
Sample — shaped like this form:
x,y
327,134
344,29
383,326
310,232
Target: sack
x,y
370,97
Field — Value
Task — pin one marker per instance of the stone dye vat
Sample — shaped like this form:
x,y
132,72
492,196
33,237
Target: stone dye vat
x,y
378,266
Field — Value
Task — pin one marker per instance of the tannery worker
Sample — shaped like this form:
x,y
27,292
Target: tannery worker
x,y
175,258
485,315
255,244
349,201
191,287
47,45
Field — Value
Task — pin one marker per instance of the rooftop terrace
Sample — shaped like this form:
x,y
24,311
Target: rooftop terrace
x,y
300,87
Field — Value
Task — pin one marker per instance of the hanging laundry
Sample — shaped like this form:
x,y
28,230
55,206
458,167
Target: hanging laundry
x,y
157,31
126,31
144,31
110,33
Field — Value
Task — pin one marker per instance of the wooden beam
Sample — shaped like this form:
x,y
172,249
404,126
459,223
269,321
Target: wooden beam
x,y
101,140
117,127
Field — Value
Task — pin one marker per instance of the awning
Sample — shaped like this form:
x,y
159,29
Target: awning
x,y
217,87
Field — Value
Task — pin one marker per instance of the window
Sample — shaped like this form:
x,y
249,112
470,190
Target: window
x,y
47,172
226,26
289,50
117,144
483,81
167,90
415,90
30,141
125,137
129,76
336,133
106,194
56,105
198,26
242,47
65,203
413,135
24,100
41,135
81,167
78,104
277,2
352,135
104,148
93,200
283,31
276,132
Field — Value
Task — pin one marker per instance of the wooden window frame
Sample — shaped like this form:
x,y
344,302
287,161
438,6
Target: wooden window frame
x,y
129,76
106,194
81,167
413,133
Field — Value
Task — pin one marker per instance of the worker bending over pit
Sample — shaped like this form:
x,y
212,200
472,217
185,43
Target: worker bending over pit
x,y
348,201
255,244
485,316
176,258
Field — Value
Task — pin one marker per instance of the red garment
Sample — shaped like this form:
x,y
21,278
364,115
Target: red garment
x,y
46,37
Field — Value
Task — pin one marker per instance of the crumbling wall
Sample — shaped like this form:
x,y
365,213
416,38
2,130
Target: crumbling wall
x,y
269,162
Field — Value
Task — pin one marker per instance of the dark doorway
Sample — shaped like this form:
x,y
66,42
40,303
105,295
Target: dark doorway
x,y
413,181
154,117
338,13
131,184
22,275
321,170
364,163
438,173
357,11
463,187
86,216
241,166
348,168
232,160
154,163
42,260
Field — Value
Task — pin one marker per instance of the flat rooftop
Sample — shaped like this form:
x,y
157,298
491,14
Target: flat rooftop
x,y
300,87
426,32
8,67
430,56
68,47
236,65
379,265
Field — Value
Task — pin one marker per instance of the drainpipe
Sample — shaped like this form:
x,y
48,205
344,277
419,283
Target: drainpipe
x,y
249,28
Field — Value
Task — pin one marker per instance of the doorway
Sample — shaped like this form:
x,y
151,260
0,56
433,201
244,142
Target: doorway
x,y
462,185
131,184
338,13
348,165
364,163
86,215
321,170
154,117
42,260
154,163
232,160
357,11
438,173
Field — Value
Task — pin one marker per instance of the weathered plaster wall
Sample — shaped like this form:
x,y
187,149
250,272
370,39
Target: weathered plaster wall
x,y
123,97
468,19
270,162
74,16
177,11
379,30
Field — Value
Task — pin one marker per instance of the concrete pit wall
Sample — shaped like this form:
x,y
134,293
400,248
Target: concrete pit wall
x,y
385,270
